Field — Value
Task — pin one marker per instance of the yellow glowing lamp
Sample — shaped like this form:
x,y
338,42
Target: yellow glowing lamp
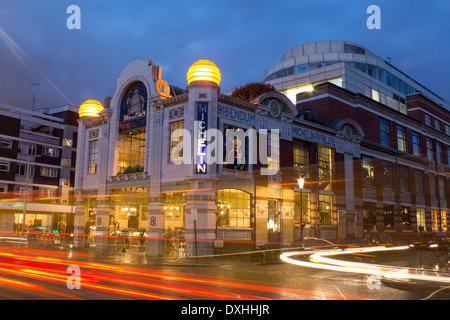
x,y
203,70
90,108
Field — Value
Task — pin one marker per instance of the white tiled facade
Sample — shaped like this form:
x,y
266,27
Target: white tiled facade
x,y
260,201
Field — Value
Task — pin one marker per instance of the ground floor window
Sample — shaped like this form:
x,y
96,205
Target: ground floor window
x,y
174,211
434,220
369,215
444,220
389,217
406,218
325,209
233,208
302,210
273,211
33,220
421,226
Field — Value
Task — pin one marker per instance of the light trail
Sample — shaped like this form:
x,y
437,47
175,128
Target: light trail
x,y
321,260
136,282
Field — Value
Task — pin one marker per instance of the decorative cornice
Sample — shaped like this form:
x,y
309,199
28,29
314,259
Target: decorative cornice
x,y
235,102
175,100
96,123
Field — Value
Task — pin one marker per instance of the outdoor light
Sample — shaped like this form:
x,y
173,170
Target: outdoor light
x,y
90,108
301,183
203,70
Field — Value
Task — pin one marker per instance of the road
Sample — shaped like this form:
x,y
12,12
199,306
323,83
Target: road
x,y
53,274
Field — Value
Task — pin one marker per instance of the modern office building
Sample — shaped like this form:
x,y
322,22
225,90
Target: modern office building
x,y
37,167
403,178
155,162
350,66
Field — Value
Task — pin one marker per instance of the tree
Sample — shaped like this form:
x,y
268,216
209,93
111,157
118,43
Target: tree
x,y
251,90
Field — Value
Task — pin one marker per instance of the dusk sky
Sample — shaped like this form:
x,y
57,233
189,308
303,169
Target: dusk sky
x,y
242,37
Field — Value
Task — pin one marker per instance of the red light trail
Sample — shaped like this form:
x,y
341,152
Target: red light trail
x,y
43,271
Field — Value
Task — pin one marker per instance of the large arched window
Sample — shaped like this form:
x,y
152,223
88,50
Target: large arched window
x,y
132,129
233,208
133,109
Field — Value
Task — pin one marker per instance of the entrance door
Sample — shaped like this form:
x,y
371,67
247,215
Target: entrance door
x,y
133,218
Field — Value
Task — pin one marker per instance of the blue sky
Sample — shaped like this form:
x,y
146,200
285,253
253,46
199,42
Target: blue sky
x,y
242,37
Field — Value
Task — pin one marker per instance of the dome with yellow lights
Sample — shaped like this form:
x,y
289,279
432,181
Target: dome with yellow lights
x,y
90,108
203,70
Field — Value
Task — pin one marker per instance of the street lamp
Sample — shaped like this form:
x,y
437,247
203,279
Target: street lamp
x,y
24,212
301,184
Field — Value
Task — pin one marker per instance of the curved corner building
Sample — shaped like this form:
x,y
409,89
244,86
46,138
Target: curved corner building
x,y
348,65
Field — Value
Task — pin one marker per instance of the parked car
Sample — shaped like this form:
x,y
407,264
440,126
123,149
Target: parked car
x,y
431,241
39,235
379,239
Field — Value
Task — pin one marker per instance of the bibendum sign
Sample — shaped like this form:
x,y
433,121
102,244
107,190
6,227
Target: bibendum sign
x,y
301,133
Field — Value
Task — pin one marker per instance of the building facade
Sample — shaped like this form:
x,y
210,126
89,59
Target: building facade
x,y
129,178
37,168
156,166
402,175
404,171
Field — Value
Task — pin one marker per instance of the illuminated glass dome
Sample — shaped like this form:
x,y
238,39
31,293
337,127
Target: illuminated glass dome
x,y
90,108
203,70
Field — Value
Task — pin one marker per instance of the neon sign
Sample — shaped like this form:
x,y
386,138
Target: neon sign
x,y
202,123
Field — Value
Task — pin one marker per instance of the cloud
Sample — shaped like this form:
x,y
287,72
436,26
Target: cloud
x,y
243,38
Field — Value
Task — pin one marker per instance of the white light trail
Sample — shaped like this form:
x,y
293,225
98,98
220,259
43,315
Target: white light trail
x,y
321,260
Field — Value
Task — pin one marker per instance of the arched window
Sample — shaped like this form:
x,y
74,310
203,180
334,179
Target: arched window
x,y
132,130
233,208
133,109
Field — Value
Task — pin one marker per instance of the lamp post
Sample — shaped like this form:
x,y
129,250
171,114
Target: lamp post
x,y
301,184
24,212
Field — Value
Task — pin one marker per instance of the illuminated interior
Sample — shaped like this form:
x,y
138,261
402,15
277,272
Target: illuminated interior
x,y
292,92
131,152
